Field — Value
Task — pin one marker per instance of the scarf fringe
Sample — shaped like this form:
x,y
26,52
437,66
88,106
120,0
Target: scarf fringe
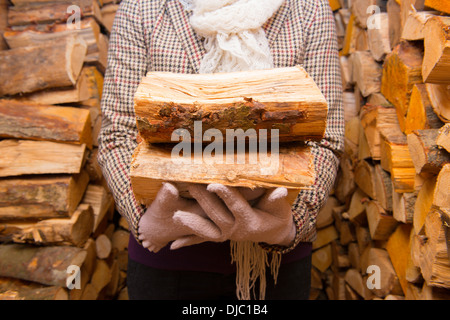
x,y
251,262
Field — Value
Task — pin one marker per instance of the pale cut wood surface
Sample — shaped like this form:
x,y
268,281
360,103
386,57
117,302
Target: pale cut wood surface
x,y
153,164
439,95
286,99
20,157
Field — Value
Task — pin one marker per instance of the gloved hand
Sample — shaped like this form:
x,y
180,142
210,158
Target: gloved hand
x,y
231,217
157,227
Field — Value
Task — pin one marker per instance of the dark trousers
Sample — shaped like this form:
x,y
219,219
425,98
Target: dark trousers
x,y
146,283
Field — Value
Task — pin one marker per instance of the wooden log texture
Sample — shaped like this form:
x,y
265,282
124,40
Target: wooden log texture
x,y
441,197
286,99
45,265
55,64
378,37
420,114
439,5
41,197
63,231
402,69
415,24
443,139
152,164
51,123
439,96
21,157
14,289
426,155
366,72
50,12
436,60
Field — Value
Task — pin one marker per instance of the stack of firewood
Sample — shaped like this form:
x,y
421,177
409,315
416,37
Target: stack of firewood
x,y
60,235
385,232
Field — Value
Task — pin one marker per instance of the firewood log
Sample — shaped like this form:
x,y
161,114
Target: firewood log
x,y
15,289
395,22
378,37
402,69
441,196
46,265
41,197
439,95
443,139
20,157
436,60
381,223
52,123
366,72
153,164
286,99
442,6
423,203
29,69
415,24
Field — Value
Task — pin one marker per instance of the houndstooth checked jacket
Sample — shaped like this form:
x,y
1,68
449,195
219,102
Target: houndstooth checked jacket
x,y
155,35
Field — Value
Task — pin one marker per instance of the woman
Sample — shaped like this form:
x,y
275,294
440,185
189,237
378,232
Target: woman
x,y
170,35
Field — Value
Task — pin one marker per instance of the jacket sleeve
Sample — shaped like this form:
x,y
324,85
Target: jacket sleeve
x,y
321,61
127,64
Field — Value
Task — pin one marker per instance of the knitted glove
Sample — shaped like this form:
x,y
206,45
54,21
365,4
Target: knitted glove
x,y
231,217
157,227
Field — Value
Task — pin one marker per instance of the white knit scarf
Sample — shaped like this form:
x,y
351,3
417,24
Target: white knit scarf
x,y
234,40
234,37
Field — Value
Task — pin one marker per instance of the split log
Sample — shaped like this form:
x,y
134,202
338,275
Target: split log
x,y
351,110
388,281
434,262
101,202
415,24
366,72
383,188
56,64
378,37
68,231
325,236
286,99
35,35
373,119
325,215
102,275
403,206
362,13
439,5
441,196
51,12
401,70
395,23
20,157
339,256
356,211
365,178
346,72
440,100
443,139
423,203
350,36
420,114
356,282
436,60
41,197
45,265
426,155
381,224
409,6
345,181
103,246
51,123
15,289
152,164
399,250
322,258
66,95
108,13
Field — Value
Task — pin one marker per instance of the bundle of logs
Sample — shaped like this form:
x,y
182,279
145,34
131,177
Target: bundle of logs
x,y
385,231
60,236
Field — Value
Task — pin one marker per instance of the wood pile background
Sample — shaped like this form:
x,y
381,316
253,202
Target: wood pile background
x,y
55,209
389,214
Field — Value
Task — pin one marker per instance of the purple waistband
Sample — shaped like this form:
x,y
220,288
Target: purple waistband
x,y
207,256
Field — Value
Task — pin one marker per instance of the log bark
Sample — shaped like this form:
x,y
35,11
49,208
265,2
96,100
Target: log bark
x,y
436,60
402,69
426,155
52,123
443,139
45,265
286,99
41,197
50,12
441,197
64,231
29,69
152,164
420,114
21,157
440,100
